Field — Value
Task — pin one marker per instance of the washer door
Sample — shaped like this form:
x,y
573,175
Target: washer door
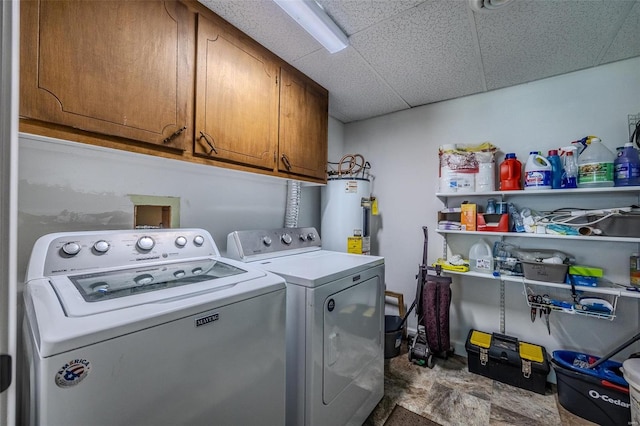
x,y
352,338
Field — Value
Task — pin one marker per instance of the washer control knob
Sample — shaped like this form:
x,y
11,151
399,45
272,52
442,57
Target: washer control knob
x,y
198,240
71,248
101,246
197,271
145,243
143,279
266,241
303,237
179,274
286,238
181,241
311,236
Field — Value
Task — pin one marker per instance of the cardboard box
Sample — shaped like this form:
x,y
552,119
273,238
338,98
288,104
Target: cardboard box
x,y
507,360
492,222
468,217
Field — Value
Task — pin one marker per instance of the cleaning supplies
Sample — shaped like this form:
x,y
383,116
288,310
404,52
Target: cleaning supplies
x,y
595,166
556,169
570,173
481,258
537,172
627,166
510,173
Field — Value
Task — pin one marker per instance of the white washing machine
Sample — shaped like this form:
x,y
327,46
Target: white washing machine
x,y
151,327
335,323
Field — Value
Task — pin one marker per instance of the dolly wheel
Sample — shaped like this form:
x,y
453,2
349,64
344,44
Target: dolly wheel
x,y
430,361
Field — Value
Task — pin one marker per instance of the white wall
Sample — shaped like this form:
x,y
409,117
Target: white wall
x,y
403,151
65,186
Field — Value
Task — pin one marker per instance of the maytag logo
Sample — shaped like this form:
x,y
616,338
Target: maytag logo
x,y
206,320
606,398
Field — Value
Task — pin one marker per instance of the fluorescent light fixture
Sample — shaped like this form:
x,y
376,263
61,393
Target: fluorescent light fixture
x,y
316,22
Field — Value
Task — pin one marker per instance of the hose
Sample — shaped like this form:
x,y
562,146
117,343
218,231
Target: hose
x,y
292,209
350,165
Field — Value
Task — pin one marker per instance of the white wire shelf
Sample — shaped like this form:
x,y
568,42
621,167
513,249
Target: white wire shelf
x,y
546,236
612,291
560,192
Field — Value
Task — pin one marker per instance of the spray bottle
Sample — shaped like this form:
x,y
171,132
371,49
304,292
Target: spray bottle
x,y
569,156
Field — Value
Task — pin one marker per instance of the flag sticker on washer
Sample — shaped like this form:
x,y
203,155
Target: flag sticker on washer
x,y
73,373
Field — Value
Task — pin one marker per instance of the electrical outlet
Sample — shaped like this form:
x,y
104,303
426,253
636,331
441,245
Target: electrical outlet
x,y
633,123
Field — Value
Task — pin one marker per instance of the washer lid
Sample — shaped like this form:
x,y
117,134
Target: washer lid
x,y
107,290
319,267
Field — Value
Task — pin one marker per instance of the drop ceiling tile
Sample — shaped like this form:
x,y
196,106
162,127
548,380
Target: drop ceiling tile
x,y
426,54
356,15
355,90
627,41
265,22
537,39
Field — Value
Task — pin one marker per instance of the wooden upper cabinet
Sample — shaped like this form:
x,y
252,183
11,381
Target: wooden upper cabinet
x,y
303,126
119,68
236,97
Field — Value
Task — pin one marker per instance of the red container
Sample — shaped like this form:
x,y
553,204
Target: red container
x,y
510,173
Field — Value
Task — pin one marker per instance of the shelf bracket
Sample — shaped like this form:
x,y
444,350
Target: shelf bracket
x,y
502,308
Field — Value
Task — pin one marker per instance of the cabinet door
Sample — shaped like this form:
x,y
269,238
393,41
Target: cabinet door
x,y
303,126
120,68
236,97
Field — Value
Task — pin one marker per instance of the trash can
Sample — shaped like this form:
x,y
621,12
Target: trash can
x,y
631,372
392,335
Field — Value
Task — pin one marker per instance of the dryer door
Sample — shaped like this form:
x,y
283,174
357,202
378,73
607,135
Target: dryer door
x,y
351,339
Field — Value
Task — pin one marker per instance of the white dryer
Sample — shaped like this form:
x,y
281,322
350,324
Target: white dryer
x,y
151,327
335,323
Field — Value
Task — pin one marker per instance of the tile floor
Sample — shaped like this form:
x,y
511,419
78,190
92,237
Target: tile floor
x,y
450,395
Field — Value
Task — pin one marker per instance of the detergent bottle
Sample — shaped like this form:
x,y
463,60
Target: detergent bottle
x,y
595,166
627,166
510,173
537,172
556,169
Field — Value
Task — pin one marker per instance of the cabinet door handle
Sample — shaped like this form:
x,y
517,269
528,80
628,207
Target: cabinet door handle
x,y
174,135
206,138
286,162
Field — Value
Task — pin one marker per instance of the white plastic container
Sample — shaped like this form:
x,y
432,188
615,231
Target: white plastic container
x,y
481,257
631,372
537,172
595,166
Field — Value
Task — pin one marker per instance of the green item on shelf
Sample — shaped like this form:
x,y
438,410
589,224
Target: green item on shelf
x,y
585,271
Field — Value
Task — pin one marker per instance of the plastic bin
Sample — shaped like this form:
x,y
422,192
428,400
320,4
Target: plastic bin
x,y
392,335
548,272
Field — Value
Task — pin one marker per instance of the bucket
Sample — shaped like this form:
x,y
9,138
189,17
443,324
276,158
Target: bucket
x,y
392,335
631,372
596,395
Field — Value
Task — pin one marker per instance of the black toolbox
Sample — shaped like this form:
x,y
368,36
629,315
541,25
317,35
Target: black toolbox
x,y
505,359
